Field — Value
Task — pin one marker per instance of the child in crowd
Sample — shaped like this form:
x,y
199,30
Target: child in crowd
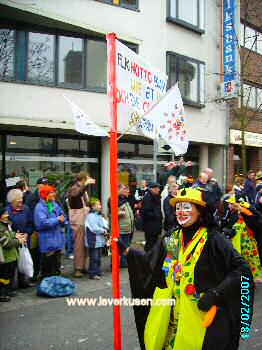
x,y
95,238
9,243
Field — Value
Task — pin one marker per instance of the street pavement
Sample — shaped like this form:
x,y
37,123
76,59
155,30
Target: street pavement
x,y
37,323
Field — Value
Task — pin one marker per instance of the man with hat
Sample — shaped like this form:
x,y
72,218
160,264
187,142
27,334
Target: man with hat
x,y
152,215
34,197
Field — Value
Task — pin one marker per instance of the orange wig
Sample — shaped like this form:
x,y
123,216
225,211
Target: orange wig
x,y
45,191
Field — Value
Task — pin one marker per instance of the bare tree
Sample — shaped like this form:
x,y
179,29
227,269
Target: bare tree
x,y
6,52
40,60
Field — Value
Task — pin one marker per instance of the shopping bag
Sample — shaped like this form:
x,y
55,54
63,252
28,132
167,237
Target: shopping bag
x,y
55,287
138,222
25,262
158,319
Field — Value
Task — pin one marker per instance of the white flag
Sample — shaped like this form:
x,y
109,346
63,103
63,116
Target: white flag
x,y
139,86
168,115
83,123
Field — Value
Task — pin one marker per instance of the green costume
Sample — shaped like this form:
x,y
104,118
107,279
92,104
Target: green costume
x,y
244,242
186,315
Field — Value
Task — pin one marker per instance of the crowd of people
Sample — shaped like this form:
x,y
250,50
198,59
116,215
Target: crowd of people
x,y
186,222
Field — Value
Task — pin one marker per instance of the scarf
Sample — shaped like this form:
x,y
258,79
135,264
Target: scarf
x,y
50,206
16,210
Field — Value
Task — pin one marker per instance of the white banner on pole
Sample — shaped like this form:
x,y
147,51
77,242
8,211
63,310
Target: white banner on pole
x,y
170,119
139,87
83,123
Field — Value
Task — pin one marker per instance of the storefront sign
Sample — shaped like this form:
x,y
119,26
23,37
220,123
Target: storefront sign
x,y
19,158
139,86
229,86
251,139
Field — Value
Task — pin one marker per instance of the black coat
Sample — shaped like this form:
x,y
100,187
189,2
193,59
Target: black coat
x,y
170,217
250,190
151,213
213,195
220,266
32,200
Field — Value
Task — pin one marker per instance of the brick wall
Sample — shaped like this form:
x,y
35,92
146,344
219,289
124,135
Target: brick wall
x,y
253,12
256,159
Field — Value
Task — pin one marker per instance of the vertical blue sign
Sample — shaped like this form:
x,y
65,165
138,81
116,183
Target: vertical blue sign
x,y
229,43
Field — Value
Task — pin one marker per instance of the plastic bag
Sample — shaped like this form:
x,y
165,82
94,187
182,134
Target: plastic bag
x,y
158,320
25,262
56,286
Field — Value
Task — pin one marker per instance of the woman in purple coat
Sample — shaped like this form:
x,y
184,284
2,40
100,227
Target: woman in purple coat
x,y
49,219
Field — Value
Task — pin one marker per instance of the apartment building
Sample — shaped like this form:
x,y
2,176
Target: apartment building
x,y
49,48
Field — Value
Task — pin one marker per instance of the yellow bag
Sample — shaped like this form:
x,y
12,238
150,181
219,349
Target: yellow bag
x,y
158,319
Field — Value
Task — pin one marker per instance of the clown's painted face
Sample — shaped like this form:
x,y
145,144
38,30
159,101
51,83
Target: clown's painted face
x,y
187,213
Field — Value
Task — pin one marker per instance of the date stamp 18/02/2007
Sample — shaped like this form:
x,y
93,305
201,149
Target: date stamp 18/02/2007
x,y
245,307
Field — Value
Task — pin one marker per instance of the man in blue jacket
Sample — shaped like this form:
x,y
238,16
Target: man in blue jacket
x,y
249,186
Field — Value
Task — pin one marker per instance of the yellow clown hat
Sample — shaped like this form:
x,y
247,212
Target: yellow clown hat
x,y
232,200
191,195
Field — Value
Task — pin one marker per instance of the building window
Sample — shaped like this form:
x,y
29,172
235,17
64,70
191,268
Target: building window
x,y
190,74
52,59
70,61
96,60
253,39
7,50
40,57
129,4
189,14
252,97
57,158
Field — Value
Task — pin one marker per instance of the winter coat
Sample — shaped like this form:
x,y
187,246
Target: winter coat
x,y
9,243
250,190
126,223
77,196
32,200
22,220
151,213
170,217
50,234
94,226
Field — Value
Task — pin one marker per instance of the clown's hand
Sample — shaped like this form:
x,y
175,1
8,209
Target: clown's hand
x,y
209,299
121,245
